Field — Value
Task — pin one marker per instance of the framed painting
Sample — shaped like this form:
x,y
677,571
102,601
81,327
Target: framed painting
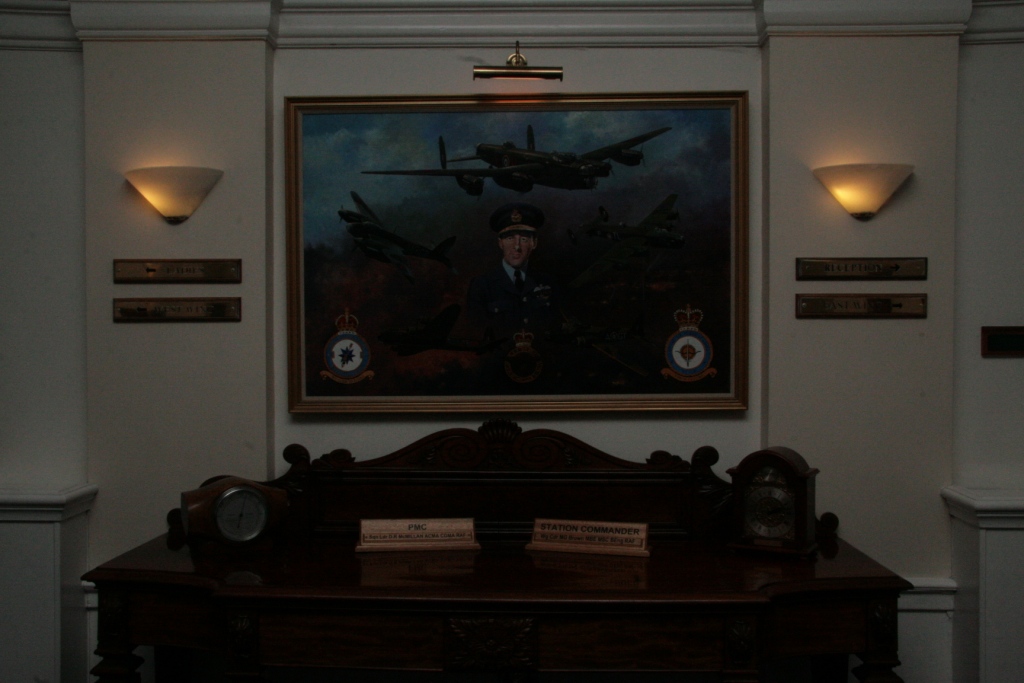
x,y
482,254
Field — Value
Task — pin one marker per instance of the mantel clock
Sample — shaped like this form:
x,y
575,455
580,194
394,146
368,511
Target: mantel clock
x,y
773,492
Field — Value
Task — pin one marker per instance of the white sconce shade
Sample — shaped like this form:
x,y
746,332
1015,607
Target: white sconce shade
x,y
175,191
862,189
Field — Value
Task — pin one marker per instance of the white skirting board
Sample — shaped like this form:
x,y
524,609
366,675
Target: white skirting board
x,y
926,631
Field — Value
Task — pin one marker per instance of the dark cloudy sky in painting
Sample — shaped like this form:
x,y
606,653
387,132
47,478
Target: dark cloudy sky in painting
x,y
693,159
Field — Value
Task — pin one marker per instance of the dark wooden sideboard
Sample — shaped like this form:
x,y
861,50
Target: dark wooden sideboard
x,y
304,600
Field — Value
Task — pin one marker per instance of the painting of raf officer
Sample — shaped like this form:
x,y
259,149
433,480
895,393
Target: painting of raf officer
x,y
513,297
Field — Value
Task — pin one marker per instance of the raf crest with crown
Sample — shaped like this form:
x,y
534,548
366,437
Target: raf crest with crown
x,y
688,352
346,354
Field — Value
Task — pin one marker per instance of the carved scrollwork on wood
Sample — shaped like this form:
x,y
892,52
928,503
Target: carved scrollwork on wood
x,y
500,431
490,644
497,447
244,633
113,616
883,624
740,642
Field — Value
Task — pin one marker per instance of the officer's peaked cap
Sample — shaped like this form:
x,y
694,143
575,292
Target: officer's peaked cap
x,y
517,215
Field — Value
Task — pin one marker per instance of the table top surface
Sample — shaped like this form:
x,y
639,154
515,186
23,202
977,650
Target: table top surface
x,y
676,571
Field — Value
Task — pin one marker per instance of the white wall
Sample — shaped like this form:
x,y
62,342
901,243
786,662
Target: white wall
x,y
990,250
172,404
868,402
368,72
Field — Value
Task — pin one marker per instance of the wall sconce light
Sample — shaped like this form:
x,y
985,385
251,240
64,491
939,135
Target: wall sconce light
x,y
174,191
515,67
862,189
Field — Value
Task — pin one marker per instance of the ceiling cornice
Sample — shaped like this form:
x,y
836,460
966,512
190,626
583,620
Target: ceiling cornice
x,y
37,25
63,24
995,21
864,17
175,19
551,23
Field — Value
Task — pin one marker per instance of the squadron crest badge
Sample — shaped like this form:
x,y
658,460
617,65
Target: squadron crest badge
x,y
688,352
523,363
346,354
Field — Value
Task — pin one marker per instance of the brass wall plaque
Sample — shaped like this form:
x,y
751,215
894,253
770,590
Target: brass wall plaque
x,y
159,271
862,269
223,309
862,305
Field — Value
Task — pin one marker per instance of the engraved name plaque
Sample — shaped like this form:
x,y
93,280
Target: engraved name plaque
x,y
603,538
162,271
416,534
862,269
221,309
861,305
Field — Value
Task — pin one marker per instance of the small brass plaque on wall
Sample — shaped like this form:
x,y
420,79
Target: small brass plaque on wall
x,y
161,271
862,269
862,305
224,309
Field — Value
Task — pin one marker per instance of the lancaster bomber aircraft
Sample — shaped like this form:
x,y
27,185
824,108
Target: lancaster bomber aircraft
x,y
630,241
382,245
520,169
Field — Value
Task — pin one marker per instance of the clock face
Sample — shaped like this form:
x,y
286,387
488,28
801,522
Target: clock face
x,y
241,514
770,508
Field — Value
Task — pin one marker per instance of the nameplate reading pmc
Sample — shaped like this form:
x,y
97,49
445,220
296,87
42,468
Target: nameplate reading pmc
x,y
602,538
862,305
862,269
226,309
416,534
162,271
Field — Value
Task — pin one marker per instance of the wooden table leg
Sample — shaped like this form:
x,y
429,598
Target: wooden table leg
x,y
881,656
830,668
119,663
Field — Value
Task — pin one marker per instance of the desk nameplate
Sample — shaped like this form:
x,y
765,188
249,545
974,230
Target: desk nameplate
x,y
861,305
578,536
182,310
862,269
416,534
163,271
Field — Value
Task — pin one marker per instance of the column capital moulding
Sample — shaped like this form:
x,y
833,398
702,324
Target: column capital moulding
x,y
42,506
995,21
986,508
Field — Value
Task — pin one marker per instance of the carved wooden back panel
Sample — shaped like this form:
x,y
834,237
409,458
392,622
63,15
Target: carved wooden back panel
x,y
505,478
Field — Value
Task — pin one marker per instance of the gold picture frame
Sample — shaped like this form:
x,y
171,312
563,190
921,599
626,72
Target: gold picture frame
x,y
636,210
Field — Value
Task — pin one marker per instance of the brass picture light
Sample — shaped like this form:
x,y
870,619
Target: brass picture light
x,y
516,67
